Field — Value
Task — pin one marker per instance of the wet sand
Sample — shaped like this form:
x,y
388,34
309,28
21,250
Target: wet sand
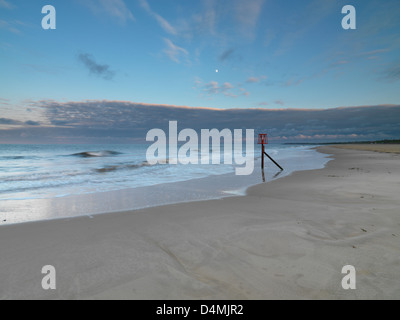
x,y
287,239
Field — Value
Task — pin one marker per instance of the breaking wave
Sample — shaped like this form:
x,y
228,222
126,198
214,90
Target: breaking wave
x,y
16,158
94,154
123,167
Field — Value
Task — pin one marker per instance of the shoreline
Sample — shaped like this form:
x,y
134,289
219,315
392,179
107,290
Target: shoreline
x,y
211,187
287,239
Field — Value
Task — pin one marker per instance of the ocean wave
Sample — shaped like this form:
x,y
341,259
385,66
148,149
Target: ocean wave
x,y
94,154
123,167
42,176
18,189
16,158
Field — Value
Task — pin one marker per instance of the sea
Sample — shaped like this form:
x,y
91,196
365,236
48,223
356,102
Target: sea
x,y
89,179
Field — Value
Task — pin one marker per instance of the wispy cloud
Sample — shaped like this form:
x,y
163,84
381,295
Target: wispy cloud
x,y
213,16
252,80
244,92
306,20
339,63
117,9
6,4
294,82
201,23
214,87
207,20
376,36
174,52
269,37
161,21
374,52
100,70
9,26
226,54
384,15
392,73
255,79
41,68
247,14
341,59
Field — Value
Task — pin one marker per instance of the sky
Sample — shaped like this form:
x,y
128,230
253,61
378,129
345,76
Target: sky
x,y
267,57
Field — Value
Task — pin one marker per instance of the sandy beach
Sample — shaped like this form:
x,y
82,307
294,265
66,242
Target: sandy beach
x,y
287,239
387,147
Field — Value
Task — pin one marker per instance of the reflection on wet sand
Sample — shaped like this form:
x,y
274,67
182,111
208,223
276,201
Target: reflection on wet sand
x,y
275,176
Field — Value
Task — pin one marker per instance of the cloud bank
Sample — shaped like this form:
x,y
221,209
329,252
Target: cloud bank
x,y
12,122
124,122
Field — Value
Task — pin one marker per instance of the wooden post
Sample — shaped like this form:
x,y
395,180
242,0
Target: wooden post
x,y
263,139
273,161
262,157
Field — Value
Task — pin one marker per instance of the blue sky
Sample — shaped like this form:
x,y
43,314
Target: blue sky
x,y
269,54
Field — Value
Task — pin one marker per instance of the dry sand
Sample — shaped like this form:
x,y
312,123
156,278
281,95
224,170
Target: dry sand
x,y
287,239
388,148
